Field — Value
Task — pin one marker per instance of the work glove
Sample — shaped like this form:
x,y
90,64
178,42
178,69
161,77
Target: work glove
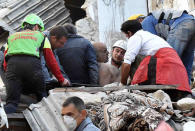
x,y
3,117
65,82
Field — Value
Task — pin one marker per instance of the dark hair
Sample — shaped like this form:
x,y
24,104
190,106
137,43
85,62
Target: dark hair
x,y
29,26
78,103
140,17
131,25
71,29
59,32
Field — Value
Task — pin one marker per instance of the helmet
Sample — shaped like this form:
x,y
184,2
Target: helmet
x,y
33,19
135,17
120,43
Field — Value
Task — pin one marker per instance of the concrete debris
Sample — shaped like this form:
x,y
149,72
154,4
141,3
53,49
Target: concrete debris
x,y
164,97
46,115
165,4
186,104
189,126
112,84
192,12
3,119
88,26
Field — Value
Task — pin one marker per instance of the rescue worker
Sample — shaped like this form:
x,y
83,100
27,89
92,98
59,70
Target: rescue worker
x,y
138,17
78,58
161,65
177,28
22,60
50,81
118,52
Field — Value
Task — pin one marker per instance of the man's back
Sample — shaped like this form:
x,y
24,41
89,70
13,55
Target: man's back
x,y
79,60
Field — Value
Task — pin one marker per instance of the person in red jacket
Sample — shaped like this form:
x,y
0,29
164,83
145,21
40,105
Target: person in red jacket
x,y
22,60
161,65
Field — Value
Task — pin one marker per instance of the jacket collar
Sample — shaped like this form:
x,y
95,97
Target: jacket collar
x,y
83,124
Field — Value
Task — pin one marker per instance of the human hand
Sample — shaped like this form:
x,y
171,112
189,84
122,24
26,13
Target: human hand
x,y
65,82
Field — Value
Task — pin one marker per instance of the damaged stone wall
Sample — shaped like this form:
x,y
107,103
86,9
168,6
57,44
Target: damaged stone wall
x,y
91,26
104,18
88,26
110,32
188,5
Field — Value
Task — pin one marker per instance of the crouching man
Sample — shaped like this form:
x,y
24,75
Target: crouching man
x,y
22,62
161,65
75,115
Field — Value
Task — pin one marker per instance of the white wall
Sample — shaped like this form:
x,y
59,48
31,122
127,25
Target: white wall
x,y
112,13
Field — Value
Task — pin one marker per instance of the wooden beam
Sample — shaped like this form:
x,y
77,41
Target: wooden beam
x,y
115,88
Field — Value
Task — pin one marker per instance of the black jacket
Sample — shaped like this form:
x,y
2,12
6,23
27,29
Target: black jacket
x,y
78,59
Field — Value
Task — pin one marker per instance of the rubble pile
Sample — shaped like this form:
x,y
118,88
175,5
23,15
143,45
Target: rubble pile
x,y
124,110
88,26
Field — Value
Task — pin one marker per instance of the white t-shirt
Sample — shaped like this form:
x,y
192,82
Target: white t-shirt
x,y
143,43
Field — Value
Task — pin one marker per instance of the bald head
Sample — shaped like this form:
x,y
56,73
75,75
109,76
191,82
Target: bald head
x,y
101,52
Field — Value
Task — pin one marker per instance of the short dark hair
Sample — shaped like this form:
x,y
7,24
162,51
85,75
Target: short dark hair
x,y
71,29
30,26
59,32
131,25
76,101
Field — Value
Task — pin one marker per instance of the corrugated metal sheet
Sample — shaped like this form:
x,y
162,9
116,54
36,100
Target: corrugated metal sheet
x,y
53,12
46,115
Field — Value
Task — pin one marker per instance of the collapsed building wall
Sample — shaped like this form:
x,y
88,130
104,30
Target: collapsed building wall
x,y
93,26
104,18
88,26
55,13
188,5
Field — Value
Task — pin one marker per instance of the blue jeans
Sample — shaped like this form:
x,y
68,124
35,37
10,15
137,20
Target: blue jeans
x,y
47,75
181,39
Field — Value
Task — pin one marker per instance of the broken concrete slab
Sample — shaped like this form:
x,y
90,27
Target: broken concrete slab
x,y
186,104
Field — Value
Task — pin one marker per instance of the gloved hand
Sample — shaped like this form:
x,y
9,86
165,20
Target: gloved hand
x,y
65,82
3,117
